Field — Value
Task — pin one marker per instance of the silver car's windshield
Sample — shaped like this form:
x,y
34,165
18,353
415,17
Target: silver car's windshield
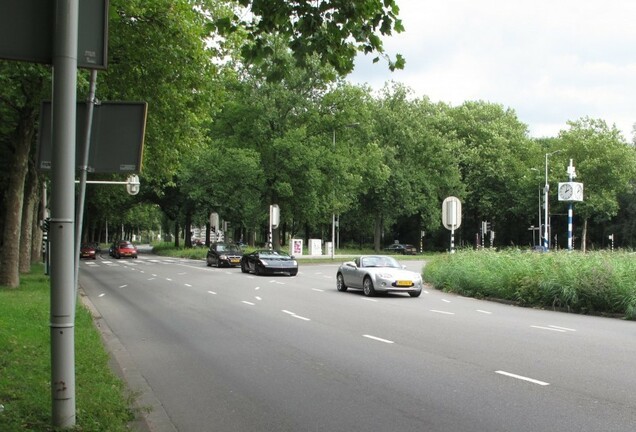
x,y
379,261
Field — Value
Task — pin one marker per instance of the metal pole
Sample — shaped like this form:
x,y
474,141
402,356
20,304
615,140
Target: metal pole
x,y
79,217
333,215
539,213
570,210
546,236
62,214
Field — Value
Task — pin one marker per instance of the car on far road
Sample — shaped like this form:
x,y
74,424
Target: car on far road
x,y
224,254
375,274
88,251
404,249
124,249
267,261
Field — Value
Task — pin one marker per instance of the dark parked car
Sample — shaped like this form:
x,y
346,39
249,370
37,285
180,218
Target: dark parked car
x,y
269,262
124,249
404,249
224,254
88,251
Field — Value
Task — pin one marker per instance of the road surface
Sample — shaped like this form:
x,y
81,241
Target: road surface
x,y
225,351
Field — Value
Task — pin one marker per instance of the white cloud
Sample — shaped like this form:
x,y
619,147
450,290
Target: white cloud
x,y
549,60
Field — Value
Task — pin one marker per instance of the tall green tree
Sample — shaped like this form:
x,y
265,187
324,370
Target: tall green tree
x,y
417,161
23,88
493,156
605,164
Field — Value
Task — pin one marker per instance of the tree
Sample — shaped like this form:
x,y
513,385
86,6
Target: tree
x,y
494,154
604,162
333,30
416,168
24,86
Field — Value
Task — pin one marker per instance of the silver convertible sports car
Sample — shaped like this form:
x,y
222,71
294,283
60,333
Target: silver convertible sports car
x,y
378,273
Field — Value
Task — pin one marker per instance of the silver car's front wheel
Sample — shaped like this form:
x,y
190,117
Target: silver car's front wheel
x,y
340,285
367,287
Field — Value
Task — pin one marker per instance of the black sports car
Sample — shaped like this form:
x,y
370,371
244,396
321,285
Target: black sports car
x,y
269,262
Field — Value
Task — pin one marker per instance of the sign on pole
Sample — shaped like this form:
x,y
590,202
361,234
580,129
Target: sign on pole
x,y
452,217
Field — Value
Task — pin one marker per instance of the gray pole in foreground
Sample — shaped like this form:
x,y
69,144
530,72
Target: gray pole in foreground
x,y
62,214
79,218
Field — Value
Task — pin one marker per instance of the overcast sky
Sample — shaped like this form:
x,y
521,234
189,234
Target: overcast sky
x,y
549,60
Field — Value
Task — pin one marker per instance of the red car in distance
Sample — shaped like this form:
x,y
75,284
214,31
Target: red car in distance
x,y
88,251
124,249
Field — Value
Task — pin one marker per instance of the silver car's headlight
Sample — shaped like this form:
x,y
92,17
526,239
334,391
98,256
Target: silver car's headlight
x,y
385,275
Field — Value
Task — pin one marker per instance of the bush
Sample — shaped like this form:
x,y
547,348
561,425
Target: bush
x,y
598,282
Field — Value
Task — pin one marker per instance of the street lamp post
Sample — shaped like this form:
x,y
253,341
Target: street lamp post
x,y
546,232
333,214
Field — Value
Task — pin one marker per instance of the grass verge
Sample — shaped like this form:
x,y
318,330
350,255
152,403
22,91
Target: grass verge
x,y
102,401
595,283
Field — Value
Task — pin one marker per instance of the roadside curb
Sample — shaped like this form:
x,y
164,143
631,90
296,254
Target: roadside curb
x,y
149,412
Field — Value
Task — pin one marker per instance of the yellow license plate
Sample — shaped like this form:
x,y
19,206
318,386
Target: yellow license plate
x,y
404,283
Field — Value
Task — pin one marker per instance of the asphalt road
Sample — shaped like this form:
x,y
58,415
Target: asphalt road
x,y
220,350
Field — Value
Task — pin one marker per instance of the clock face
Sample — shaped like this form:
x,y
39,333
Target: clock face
x,y
566,191
579,191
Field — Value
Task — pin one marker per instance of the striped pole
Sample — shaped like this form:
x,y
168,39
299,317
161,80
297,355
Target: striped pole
x,y
570,213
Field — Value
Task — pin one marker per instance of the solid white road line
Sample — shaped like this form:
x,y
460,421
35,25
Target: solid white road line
x,y
446,301
212,292
248,303
378,339
317,289
484,312
519,377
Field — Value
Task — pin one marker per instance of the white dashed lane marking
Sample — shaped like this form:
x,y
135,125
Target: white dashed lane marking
x,y
375,338
554,328
442,312
522,378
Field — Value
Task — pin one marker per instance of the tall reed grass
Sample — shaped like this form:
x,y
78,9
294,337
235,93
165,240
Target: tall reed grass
x,y
596,282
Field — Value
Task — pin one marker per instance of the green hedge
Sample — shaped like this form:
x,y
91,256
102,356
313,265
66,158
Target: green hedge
x,y
597,282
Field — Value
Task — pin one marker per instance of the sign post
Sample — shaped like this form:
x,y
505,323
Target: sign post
x,y
452,217
274,220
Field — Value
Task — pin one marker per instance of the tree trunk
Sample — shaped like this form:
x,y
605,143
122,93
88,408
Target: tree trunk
x,y
36,232
377,233
10,241
584,236
28,210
